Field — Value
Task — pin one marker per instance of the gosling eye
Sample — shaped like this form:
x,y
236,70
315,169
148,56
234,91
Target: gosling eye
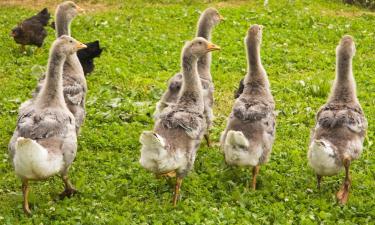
x,y
200,42
70,41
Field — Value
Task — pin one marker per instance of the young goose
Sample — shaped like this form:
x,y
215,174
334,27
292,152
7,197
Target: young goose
x,y
44,142
171,148
74,81
340,124
249,135
207,21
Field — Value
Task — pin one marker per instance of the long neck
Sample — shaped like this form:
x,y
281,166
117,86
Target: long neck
x,y
256,77
191,95
52,91
62,24
344,88
63,28
253,56
204,28
204,63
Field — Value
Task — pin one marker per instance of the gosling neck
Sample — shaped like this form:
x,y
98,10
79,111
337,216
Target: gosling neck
x,y
62,23
191,92
52,91
204,63
205,27
256,78
344,88
253,55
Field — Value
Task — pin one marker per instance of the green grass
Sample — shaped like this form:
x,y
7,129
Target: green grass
x,y
143,43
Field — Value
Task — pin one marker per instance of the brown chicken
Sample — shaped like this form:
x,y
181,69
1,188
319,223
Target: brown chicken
x,y
31,31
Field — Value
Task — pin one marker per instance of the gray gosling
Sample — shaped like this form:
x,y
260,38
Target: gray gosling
x,y
340,129
44,142
74,81
170,149
207,21
250,132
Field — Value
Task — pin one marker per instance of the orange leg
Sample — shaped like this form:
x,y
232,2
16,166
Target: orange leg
x,y
177,190
25,192
255,174
343,194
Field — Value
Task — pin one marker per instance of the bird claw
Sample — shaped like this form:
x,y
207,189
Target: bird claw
x,y
68,193
27,210
342,196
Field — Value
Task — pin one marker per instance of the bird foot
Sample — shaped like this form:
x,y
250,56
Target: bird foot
x,y
27,210
342,195
175,200
69,192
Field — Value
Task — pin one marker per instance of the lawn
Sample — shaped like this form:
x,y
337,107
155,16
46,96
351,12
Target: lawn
x,y
142,50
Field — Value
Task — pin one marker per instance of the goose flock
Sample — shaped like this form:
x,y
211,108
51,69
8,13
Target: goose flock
x,y
44,142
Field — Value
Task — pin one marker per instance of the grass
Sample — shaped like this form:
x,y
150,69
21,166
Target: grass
x,y
143,43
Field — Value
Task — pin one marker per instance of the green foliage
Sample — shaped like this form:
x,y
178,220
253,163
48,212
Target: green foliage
x,y
143,43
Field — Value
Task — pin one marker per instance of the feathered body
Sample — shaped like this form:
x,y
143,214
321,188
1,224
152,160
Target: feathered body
x,y
31,31
179,127
249,135
172,146
74,81
340,123
44,142
209,18
338,136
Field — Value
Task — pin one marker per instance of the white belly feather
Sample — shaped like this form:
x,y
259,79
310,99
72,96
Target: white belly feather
x,y
237,152
322,158
154,156
32,161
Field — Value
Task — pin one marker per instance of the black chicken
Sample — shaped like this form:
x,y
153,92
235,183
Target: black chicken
x,y
31,31
239,91
86,56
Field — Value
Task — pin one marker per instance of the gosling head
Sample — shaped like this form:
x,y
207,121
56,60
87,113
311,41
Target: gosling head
x,y
199,46
213,16
346,47
66,45
70,9
254,34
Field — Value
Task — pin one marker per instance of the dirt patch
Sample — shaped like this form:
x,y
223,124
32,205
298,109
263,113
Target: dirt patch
x,y
51,4
348,14
232,4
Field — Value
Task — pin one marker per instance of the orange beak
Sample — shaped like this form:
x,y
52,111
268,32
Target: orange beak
x,y
79,9
80,46
212,47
